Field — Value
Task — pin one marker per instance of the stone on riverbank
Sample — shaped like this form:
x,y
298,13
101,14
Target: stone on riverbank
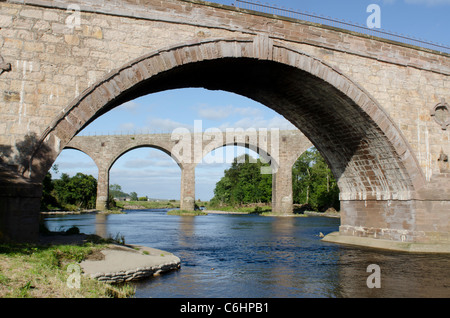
x,y
128,263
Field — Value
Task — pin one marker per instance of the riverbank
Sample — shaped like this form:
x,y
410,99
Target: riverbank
x,y
269,213
50,268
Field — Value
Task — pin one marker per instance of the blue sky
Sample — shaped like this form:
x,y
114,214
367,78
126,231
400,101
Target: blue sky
x,y
151,172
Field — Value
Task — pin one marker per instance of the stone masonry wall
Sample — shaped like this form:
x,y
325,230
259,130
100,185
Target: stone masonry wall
x,y
54,62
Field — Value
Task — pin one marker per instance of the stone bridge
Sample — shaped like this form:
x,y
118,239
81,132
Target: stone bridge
x,y
376,109
279,148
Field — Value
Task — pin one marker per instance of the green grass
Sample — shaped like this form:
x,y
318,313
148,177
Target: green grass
x,y
34,271
244,209
184,212
148,204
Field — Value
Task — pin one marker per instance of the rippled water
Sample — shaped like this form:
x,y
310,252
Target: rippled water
x,y
251,256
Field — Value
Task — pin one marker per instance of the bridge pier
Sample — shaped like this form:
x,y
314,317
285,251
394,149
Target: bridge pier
x,y
187,199
20,201
282,201
404,225
101,203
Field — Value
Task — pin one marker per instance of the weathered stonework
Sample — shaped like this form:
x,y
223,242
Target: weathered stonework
x,y
363,102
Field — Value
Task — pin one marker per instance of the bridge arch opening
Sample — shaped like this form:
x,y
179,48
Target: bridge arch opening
x,y
70,163
147,171
213,168
367,153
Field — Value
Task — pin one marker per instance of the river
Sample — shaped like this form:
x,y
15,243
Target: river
x,y
252,256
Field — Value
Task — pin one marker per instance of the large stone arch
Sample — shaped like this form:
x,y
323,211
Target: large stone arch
x,y
367,153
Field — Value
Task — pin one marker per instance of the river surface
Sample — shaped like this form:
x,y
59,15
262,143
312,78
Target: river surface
x,y
251,256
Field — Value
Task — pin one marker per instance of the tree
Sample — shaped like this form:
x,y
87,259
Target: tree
x,y
243,183
80,190
313,182
48,200
115,191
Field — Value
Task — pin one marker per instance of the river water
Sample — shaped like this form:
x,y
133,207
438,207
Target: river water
x,y
251,256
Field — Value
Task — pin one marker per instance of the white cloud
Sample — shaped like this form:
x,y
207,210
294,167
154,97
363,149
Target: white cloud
x,y
214,113
131,106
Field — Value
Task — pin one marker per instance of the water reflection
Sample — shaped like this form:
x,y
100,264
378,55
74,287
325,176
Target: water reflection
x,y
402,274
254,256
101,225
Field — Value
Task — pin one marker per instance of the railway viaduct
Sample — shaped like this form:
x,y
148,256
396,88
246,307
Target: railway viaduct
x,y
376,109
278,148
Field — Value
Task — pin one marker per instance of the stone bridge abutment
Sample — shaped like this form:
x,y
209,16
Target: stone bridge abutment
x,y
377,110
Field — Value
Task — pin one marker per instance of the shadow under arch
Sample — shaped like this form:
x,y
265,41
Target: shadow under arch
x,y
366,151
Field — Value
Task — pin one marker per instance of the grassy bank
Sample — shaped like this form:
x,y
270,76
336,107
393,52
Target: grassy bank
x,y
34,271
184,212
147,204
243,209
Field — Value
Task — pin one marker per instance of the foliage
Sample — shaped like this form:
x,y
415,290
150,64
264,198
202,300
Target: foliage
x,y
186,213
147,204
313,183
133,196
115,191
243,183
79,191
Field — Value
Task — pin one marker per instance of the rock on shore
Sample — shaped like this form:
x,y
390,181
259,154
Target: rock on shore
x,y
118,263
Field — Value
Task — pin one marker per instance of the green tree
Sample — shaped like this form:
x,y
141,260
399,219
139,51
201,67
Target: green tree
x,y
243,183
48,200
80,190
115,191
313,183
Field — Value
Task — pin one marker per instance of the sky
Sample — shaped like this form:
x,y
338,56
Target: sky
x,y
150,172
